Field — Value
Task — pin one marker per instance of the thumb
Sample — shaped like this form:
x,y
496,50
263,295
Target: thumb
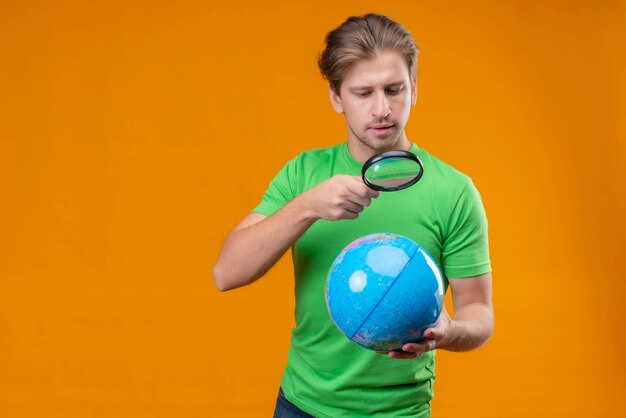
x,y
433,333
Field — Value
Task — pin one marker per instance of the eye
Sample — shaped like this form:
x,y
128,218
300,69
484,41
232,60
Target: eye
x,y
363,94
394,92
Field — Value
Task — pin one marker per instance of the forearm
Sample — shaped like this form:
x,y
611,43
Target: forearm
x,y
254,246
470,328
250,252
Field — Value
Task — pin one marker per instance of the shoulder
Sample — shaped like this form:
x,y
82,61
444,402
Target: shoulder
x,y
443,174
314,162
309,168
318,155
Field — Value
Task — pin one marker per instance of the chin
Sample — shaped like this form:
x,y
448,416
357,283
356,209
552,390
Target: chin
x,y
383,144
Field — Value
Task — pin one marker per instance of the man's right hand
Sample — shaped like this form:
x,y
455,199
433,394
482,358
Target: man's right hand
x,y
247,253
339,197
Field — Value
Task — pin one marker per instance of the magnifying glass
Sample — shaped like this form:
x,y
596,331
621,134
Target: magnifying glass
x,y
390,171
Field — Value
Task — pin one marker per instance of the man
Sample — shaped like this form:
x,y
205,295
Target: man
x,y
317,204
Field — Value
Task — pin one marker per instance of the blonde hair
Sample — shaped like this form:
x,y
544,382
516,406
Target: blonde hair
x,y
362,37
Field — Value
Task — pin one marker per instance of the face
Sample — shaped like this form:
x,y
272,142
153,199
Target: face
x,y
376,98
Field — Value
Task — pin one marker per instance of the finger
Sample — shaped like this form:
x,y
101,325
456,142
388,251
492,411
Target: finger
x,y
353,207
361,189
402,355
433,333
415,348
367,191
340,213
421,347
354,197
346,214
348,194
358,200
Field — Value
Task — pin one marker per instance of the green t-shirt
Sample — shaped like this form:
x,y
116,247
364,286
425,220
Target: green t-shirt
x,y
328,375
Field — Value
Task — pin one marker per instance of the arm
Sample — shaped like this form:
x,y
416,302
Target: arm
x,y
257,243
471,326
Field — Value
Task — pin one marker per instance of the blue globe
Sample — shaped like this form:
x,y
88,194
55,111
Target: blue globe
x,y
384,290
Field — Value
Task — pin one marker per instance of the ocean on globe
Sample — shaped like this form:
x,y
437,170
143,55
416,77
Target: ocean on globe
x,y
384,290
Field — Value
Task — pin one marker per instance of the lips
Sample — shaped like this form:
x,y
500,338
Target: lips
x,y
380,126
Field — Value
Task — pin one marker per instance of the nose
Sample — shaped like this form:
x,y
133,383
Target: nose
x,y
381,107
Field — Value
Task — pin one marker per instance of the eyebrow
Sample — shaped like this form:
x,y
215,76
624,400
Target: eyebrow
x,y
393,84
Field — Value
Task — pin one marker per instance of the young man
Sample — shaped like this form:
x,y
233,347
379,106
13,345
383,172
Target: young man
x,y
317,205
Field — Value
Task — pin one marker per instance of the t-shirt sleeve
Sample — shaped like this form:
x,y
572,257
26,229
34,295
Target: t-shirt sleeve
x,y
280,191
465,251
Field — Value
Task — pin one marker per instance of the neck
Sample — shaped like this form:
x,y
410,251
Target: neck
x,y
361,152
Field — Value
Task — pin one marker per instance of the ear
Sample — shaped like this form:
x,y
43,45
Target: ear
x,y
413,92
335,100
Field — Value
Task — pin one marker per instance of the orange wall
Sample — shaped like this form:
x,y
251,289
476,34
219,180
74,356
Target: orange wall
x,y
135,134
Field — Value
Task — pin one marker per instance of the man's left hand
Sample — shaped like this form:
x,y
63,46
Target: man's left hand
x,y
434,337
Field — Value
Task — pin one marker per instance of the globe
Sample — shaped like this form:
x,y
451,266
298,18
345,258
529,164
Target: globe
x,y
384,290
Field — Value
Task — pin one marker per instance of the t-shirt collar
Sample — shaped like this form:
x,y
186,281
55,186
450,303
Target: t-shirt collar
x,y
354,164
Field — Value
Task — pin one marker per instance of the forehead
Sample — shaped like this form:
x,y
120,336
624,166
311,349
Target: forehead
x,y
383,69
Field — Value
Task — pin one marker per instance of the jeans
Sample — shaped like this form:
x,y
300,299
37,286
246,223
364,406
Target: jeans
x,y
285,409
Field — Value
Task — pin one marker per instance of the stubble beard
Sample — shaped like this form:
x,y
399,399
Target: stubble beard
x,y
369,144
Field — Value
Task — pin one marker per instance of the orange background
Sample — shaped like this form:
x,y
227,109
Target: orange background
x,y
135,134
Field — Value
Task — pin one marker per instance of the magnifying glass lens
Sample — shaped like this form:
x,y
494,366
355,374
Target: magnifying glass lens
x,y
392,170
